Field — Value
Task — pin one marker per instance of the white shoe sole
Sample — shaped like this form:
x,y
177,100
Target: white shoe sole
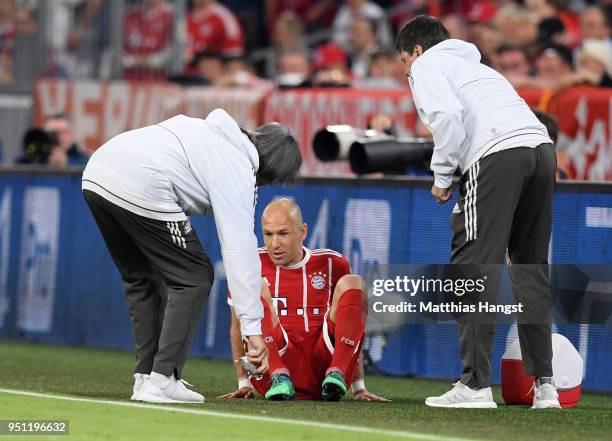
x,y
468,405
546,404
135,397
159,400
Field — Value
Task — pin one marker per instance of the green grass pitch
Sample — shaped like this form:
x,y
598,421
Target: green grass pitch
x,y
101,380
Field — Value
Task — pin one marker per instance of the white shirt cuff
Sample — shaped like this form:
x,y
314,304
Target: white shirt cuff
x,y
250,327
443,181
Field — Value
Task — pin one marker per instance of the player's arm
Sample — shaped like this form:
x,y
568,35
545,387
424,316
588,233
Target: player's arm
x,y
358,387
245,390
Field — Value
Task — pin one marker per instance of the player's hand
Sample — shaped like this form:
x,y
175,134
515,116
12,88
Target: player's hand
x,y
441,195
365,395
258,353
244,392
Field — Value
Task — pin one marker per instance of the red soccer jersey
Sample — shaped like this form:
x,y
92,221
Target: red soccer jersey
x,y
216,29
302,293
148,31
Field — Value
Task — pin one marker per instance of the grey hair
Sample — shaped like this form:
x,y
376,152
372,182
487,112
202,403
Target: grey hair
x,y
279,153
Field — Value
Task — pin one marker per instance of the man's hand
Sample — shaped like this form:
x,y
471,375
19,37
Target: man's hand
x,y
58,157
244,392
364,395
441,195
258,353
381,123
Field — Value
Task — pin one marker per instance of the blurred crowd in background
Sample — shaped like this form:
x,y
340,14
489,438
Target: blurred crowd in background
x,y
303,43
548,44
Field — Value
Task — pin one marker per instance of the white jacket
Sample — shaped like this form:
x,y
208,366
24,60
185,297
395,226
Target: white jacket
x,y
471,110
187,166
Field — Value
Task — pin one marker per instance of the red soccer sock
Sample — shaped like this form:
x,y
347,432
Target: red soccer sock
x,y
349,330
269,334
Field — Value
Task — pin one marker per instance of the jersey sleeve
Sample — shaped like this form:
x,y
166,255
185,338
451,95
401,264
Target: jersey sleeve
x,y
344,266
341,267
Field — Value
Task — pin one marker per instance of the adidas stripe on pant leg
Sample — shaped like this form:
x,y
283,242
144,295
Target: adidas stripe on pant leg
x,y
505,204
167,277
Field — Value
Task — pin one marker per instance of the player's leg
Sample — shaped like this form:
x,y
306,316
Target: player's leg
x,y
281,387
273,333
143,287
348,315
528,249
266,299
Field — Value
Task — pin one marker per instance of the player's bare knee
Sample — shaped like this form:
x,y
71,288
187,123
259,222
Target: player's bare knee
x,y
349,282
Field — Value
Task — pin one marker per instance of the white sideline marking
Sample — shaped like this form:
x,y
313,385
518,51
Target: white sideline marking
x,y
344,427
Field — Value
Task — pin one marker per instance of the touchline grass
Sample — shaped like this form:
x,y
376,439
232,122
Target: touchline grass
x,y
94,374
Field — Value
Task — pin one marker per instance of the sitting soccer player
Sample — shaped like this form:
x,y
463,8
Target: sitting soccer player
x,y
315,313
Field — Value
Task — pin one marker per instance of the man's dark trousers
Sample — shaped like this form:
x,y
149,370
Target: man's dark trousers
x,y
505,203
166,276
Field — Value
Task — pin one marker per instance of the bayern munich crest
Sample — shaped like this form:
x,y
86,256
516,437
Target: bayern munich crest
x,y
318,282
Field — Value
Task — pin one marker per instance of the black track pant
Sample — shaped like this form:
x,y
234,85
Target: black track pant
x,y
167,277
505,203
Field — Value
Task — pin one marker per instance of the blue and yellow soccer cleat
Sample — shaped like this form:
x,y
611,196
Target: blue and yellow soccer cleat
x,y
333,386
281,388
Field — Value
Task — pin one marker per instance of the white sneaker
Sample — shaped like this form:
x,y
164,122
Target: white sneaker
x,y
158,388
545,397
138,381
461,396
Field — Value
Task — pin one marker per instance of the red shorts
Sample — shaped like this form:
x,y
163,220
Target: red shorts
x,y
307,356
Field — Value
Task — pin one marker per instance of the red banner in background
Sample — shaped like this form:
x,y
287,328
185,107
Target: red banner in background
x,y
585,138
306,111
101,110
533,97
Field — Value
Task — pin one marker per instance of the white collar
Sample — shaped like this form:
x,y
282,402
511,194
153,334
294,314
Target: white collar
x,y
301,263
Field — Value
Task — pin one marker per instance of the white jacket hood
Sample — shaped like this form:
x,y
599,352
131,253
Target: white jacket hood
x,y
455,48
220,120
